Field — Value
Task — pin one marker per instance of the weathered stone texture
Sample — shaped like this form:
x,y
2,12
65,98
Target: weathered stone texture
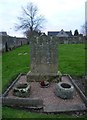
x,y
43,51
43,55
22,102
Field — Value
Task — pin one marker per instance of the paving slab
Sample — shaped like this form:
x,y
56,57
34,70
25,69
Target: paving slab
x,y
61,108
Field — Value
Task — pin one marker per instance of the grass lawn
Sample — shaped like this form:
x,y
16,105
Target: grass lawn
x,y
71,61
15,113
13,64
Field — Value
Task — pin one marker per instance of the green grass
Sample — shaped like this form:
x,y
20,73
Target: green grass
x,y
71,61
15,113
13,64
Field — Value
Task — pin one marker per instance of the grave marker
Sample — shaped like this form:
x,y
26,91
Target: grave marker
x,y
43,55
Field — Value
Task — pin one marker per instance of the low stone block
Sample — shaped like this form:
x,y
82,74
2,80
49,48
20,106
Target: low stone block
x,y
22,102
39,77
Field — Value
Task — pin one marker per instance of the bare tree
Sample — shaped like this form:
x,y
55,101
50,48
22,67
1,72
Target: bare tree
x,y
30,21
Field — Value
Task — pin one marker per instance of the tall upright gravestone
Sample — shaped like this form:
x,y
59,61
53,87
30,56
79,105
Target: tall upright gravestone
x,y
43,56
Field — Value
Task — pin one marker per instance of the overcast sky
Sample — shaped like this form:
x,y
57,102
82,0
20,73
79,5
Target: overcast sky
x,y
59,14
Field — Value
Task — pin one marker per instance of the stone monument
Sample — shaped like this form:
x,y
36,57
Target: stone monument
x,y
43,58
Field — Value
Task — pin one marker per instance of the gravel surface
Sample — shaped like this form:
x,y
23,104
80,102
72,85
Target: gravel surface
x,y
48,96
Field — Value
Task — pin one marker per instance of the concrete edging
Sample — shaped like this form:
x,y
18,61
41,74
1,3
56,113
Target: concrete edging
x,y
34,103
23,102
84,98
6,92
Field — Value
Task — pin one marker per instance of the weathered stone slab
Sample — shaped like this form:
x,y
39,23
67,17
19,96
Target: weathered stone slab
x,y
64,108
43,51
22,102
38,77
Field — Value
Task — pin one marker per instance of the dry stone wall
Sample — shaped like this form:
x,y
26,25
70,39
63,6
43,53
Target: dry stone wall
x,y
8,42
69,40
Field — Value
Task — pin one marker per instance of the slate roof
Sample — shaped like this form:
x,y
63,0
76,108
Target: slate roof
x,y
69,33
3,33
55,33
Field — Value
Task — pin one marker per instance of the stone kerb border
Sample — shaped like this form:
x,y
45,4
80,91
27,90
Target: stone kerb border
x,y
35,103
9,88
84,98
23,102
32,102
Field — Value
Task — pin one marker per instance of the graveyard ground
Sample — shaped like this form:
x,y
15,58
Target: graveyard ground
x,y
71,61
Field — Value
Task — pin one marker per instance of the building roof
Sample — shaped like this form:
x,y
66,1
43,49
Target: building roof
x,y
53,33
3,33
60,33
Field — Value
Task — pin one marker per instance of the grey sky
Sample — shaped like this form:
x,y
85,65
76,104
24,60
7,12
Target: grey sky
x,y
60,14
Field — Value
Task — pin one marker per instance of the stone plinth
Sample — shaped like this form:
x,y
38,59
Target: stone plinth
x,y
43,56
38,77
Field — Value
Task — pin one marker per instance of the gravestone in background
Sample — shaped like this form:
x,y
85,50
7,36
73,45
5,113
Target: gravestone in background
x,y
43,56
